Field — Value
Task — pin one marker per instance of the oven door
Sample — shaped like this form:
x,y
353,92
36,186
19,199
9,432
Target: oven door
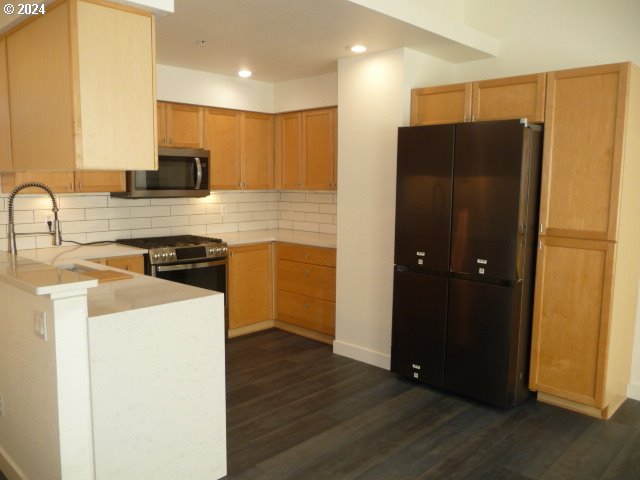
x,y
211,275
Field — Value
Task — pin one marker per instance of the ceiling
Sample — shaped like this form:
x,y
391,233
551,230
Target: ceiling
x,y
280,40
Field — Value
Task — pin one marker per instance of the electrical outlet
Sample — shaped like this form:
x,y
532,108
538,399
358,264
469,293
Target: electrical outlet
x,y
1,406
42,216
40,323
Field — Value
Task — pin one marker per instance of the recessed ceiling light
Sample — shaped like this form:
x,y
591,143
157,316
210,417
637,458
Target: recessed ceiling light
x,y
203,43
244,73
358,48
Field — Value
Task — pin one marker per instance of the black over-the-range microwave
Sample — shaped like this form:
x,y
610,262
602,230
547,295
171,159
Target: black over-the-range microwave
x,y
182,172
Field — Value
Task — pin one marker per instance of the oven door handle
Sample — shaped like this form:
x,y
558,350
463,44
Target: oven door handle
x,y
189,266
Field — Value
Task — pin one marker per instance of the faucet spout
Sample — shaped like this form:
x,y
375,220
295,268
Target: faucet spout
x,y
11,233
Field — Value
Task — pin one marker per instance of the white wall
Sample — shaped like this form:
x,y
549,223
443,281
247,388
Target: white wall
x,y
551,35
372,95
202,88
304,93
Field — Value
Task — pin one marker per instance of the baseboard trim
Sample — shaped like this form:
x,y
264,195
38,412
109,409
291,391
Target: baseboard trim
x,y
633,390
304,332
361,354
9,468
254,327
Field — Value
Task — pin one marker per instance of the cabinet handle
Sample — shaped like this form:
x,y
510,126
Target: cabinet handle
x,y
542,228
306,273
306,306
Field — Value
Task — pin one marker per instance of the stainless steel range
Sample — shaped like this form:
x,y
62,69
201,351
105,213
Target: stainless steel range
x,y
189,259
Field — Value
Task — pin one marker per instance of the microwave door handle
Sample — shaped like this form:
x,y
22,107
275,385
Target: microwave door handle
x,y
198,173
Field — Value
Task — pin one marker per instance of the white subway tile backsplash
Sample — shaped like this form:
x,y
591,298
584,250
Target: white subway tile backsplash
x,y
157,211
100,217
252,207
237,217
83,201
129,223
306,226
328,228
256,225
85,227
173,221
292,197
189,230
319,218
169,201
104,213
205,219
188,209
222,228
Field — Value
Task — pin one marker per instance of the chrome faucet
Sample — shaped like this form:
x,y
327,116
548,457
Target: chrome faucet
x,y
54,232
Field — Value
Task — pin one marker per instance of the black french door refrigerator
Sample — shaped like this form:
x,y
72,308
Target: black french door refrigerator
x,y
466,219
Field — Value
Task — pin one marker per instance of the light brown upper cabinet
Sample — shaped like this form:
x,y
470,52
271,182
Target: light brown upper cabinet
x,y
289,150
241,146
5,130
78,101
67,182
222,139
256,151
583,148
500,99
306,152
588,260
179,125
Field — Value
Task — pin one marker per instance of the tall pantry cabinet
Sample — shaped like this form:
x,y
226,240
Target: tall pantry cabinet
x,y
589,257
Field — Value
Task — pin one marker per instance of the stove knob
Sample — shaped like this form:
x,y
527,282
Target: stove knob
x,y
155,256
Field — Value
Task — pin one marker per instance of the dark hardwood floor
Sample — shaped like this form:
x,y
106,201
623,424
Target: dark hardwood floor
x,y
296,411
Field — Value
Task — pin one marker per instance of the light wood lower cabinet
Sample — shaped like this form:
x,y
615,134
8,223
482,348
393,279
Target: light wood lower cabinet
x,y
572,311
130,263
306,282
250,287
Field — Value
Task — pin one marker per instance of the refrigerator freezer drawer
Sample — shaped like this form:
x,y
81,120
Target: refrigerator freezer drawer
x,y
483,333
419,326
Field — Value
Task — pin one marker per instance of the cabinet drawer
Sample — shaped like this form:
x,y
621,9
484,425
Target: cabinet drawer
x,y
307,312
305,254
305,279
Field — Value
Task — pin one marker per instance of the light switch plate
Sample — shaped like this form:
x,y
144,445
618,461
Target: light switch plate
x,y
40,323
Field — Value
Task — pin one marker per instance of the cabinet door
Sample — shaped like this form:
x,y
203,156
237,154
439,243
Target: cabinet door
x,y
442,104
5,132
59,182
585,111
257,151
161,114
222,139
571,318
184,125
506,98
319,149
42,126
291,150
130,263
310,280
107,181
250,285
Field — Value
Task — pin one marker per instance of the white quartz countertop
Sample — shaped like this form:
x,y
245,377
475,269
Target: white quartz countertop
x,y
135,293
64,254
279,235
39,278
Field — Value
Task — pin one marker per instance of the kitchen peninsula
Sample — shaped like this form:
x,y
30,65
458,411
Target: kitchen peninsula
x,y
122,379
